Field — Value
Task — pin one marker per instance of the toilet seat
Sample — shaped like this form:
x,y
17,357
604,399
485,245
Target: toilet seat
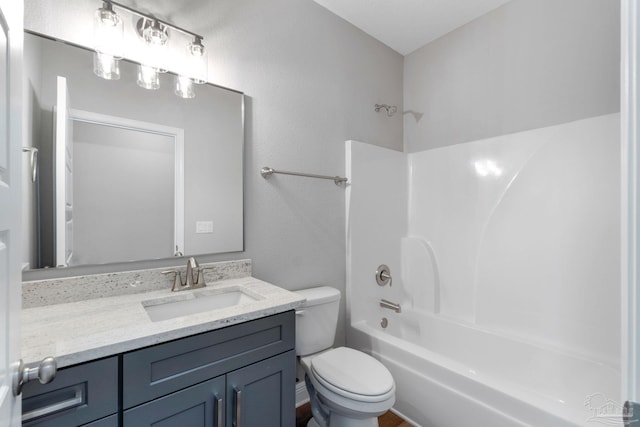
x,y
353,375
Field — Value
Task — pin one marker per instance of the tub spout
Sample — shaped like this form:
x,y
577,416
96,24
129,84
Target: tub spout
x,y
390,305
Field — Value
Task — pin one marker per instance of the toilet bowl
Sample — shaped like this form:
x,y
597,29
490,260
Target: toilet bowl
x,y
347,388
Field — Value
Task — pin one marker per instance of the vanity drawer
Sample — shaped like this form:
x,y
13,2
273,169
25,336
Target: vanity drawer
x,y
78,395
156,371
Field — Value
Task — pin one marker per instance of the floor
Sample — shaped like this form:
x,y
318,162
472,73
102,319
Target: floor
x,y
303,415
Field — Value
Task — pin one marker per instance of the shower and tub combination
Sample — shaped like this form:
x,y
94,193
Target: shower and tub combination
x,y
505,293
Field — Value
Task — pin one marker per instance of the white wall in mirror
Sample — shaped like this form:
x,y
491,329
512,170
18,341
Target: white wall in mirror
x,y
144,183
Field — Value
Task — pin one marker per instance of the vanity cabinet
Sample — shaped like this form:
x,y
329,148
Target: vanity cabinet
x,y
256,395
239,376
198,405
78,396
248,372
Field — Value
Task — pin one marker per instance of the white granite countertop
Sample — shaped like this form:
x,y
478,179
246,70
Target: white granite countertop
x,y
80,331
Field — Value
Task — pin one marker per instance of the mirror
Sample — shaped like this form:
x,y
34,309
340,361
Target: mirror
x,y
123,173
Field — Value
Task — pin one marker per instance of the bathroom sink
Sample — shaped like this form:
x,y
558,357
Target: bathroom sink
x,y
191,302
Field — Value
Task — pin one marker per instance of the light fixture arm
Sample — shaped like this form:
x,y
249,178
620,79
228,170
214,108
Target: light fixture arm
x,y
106,5
112,3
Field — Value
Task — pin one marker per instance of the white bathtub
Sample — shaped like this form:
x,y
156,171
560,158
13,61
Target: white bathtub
x,y
451,374
515,271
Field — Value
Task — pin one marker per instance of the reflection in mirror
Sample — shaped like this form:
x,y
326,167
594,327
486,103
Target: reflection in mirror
x,y
124,173
99,190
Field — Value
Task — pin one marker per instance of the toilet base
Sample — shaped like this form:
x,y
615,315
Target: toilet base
x,y
340,421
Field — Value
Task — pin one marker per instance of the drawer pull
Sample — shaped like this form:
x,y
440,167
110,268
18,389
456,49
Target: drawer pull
x,y
56,407
218,414
237,416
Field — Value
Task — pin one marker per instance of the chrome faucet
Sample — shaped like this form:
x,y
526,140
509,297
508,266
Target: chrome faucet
x,y
190,282
192,265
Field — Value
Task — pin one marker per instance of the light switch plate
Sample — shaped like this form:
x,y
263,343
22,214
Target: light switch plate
x,y
203,227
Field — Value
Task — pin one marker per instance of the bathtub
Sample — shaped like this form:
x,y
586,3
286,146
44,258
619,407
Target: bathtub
x,y
509,292
451,374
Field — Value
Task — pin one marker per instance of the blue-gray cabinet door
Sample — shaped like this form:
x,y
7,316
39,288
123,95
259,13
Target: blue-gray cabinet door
x,y
78,395
263,394
201,405
111,421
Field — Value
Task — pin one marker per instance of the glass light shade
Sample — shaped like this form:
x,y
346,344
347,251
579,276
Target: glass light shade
x,y
155,34
106,66
108,32
155,56
148,77
184,87
153,50
196,62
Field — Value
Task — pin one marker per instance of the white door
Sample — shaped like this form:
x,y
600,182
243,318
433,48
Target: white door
x,y
630,236
11,15
64,175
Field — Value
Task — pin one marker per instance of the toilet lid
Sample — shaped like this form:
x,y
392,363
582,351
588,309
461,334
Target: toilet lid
x,y
353,372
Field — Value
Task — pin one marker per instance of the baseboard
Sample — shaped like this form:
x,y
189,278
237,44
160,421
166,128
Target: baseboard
x,y
302,396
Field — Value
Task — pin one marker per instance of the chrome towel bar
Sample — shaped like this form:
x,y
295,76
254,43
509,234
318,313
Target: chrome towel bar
x,y
266,172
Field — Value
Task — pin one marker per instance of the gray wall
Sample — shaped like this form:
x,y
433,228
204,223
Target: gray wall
x,y
312,80
525,65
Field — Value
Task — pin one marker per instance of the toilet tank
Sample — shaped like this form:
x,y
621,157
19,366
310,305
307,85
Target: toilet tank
x,y
317,319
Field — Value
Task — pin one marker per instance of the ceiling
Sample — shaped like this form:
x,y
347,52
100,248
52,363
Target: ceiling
x,y
406,25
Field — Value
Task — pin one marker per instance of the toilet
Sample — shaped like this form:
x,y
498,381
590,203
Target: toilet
x,y
347,388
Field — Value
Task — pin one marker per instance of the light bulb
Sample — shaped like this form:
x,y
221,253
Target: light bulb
x,y
148,77
184,87
196,62
155,34
108,31
106,66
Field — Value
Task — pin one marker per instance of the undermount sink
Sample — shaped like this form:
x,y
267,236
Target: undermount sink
x,y
191,302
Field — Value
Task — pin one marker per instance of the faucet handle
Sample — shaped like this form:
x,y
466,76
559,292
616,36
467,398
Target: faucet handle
x,y
200,277
177,279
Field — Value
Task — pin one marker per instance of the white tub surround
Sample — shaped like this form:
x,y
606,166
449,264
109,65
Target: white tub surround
x,y
100,326
504,254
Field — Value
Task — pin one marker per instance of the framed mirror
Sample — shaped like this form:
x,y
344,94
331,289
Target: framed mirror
x,y
123,173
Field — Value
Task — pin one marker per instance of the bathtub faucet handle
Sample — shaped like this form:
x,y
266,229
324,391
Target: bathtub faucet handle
x,y
383,275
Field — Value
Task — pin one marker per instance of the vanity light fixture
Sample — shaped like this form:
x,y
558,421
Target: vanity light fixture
x,y
155,36
108,35
194,69
196,61
109,39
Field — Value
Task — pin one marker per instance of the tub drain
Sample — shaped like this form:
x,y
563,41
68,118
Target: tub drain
x,y
384,322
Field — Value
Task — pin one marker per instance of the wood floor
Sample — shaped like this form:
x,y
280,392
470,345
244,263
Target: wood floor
x,y
303,415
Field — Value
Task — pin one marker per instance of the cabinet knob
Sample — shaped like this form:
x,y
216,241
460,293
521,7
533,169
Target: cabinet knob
x,y
45,372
